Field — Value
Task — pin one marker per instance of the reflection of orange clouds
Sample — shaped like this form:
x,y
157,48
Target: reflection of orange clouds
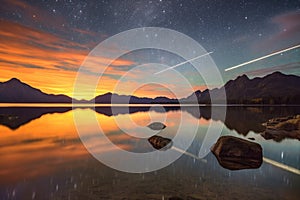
x,y
142,118
35,148
46,145
50,144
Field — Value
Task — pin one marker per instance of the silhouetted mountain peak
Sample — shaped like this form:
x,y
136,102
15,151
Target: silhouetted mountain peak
x,y
198,92
15,91
13,80
108,94
240,81
243,77
277,73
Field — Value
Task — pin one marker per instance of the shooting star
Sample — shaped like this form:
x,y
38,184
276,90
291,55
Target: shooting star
x,y
159,142
187,61
263,57
266,160
282,166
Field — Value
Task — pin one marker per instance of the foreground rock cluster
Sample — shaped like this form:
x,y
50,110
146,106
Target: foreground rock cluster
x,y
280,128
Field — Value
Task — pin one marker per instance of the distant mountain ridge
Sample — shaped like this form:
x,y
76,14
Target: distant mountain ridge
x,y
275,88
15,91
109,97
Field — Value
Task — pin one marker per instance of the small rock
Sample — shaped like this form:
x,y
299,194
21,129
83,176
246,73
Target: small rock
x,y
160,143
157,126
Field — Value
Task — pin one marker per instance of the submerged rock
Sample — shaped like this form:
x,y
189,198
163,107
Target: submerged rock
x,y
160,143
280,128
235,153
156,126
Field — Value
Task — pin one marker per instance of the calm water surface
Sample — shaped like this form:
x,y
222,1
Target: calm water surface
x,y
42,156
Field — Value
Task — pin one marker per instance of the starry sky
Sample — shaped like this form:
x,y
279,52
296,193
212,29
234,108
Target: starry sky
x,y
43,43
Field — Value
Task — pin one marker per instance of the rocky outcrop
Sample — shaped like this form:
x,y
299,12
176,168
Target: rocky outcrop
x,y
235,153
283,127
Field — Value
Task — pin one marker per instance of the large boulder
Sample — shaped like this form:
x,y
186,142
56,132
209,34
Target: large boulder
x,y
235,153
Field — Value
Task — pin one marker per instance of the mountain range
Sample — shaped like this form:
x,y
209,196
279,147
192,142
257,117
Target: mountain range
x,y
275,88
15,91
108,98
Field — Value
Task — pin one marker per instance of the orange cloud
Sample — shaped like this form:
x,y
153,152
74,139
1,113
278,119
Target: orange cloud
x,y
51,62
47,61
154,90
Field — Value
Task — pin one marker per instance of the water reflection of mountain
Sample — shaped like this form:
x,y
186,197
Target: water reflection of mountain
x,y
245,119
15,117
238,118
113,111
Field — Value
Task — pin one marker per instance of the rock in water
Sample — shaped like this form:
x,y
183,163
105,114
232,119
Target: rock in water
x,y
157,126
160,143
283,127
235,153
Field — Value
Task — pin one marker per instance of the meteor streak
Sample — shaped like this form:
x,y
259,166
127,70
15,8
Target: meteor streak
x,y
282,166
263,57
266,160
187,61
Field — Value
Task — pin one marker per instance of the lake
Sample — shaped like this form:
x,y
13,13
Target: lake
x,y
43,157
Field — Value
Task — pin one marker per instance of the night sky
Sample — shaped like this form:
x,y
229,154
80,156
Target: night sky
x,y
43,43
